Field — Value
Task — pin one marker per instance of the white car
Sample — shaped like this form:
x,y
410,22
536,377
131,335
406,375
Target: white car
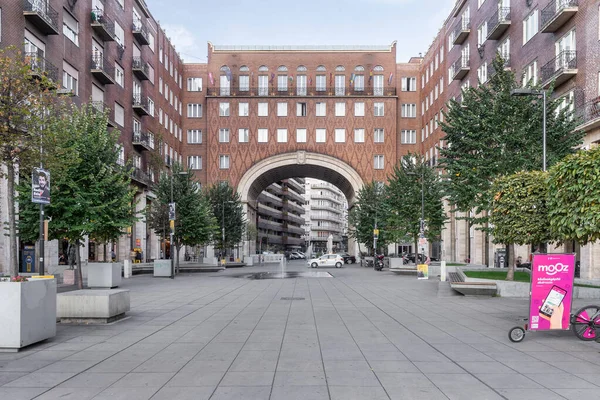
x,y
327,260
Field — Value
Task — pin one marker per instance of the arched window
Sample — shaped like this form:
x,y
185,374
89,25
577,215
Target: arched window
x,y
224,68
282,68
321,68
263,68
340,68
359,68
244,68
378,68
301,68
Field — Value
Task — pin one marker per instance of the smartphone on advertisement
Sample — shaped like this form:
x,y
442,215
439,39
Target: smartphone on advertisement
x,y
553,299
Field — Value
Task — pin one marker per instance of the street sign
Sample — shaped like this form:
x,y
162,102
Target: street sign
x,y
375,233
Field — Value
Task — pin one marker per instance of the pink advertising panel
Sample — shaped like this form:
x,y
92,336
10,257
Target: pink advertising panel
x,y
551,291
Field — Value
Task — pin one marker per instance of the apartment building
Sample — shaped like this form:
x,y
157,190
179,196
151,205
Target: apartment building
x,y
114,55
325,216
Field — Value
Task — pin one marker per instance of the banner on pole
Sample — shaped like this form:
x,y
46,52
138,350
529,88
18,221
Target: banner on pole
x,y
40,186
551,291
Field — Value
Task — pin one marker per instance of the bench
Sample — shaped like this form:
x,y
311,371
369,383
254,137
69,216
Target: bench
x,y
459,283
92,306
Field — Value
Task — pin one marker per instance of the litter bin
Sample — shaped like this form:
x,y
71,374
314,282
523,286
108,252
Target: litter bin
x,y
28,259
500,258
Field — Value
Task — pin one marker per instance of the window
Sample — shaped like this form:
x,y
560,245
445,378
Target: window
x,y
223,162
70,28
119,114
301,109
359,83
378,109
320,135
195,162
482,73
340,135
340,109
409,110
70,78
378,162
530,77
479,3
194,84
301,85
441,85
504,50
151,107
321,83
359,109
223,109
409,84
482,34
282,83
224,87
282,109
243,135
244,83
263,85
566,104
530,26
300,135
321,109
378,135
194,136
281,135
263,135
224,135
359,135
263,109
408,137
160,85
194,110
243,109
340,85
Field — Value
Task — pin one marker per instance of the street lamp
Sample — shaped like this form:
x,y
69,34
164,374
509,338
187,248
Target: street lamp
x,y
535,92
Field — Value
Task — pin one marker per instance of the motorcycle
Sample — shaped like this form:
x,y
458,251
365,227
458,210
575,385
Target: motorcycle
x,y
378,265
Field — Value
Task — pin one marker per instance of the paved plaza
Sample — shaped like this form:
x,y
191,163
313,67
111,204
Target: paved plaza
x,y
359,334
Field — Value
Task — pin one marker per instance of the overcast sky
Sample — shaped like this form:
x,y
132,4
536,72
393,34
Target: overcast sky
x,y
191,23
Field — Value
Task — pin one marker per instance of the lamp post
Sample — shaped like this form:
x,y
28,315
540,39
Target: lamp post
x,y
536,93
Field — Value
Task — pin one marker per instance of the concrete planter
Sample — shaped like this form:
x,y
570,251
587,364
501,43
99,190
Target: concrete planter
x,y
28,312
396,262
249,260
162,268
69,276
104,275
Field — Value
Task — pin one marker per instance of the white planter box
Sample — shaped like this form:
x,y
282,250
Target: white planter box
x,y
28,311
396,262
104,275
162,268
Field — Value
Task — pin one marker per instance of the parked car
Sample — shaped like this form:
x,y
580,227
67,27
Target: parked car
x,y
410,257
348,259
294,255
327,260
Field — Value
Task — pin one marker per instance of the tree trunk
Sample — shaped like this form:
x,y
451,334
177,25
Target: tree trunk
x,y
12,223
79,273
510,253
105,253
487,240
177,260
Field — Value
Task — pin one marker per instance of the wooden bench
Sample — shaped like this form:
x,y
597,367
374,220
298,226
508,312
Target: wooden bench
x,y
458,283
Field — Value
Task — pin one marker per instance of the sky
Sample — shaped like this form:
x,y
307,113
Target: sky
x,y
190,24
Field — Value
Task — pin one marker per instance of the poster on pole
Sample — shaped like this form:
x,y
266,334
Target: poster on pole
x,y
422,271
40,186
551,291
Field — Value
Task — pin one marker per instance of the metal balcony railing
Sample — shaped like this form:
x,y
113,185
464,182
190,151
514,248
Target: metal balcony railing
x,y
140,104
140,68
498,23
589,115
140,32
101,69
40,66
561,68
143,139
103,25
461,67
462,30
329,91
42,15
556,13
140,176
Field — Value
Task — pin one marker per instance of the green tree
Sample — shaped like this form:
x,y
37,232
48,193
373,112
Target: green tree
x,y
194,221
411,179
369,211
491,133
574,197
25,107
228,210
519,213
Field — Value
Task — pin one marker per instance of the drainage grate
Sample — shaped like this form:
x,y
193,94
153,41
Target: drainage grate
x,y
293,298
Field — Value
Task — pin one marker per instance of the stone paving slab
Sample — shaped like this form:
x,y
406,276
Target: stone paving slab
x,y
356,335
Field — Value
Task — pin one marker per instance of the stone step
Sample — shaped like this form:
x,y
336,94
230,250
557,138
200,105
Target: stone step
x,y
445,290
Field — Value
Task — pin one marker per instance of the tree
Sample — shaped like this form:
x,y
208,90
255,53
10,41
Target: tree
x,y
574,197
194,221
519,213
403,198
25,106
369,211
228,210
491,133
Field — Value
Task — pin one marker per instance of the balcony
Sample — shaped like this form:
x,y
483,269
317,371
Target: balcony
x,y
41,67
101,108
498,23
41,15
462,30
560,69
461,68
268,198
140,104
143,141
140,176
330,91
590,115
294,185
103,26
557,13
293,241
140,68
140,33
101,69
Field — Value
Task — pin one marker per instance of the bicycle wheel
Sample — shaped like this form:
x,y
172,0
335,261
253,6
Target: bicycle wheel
x,y
516,334
585,323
